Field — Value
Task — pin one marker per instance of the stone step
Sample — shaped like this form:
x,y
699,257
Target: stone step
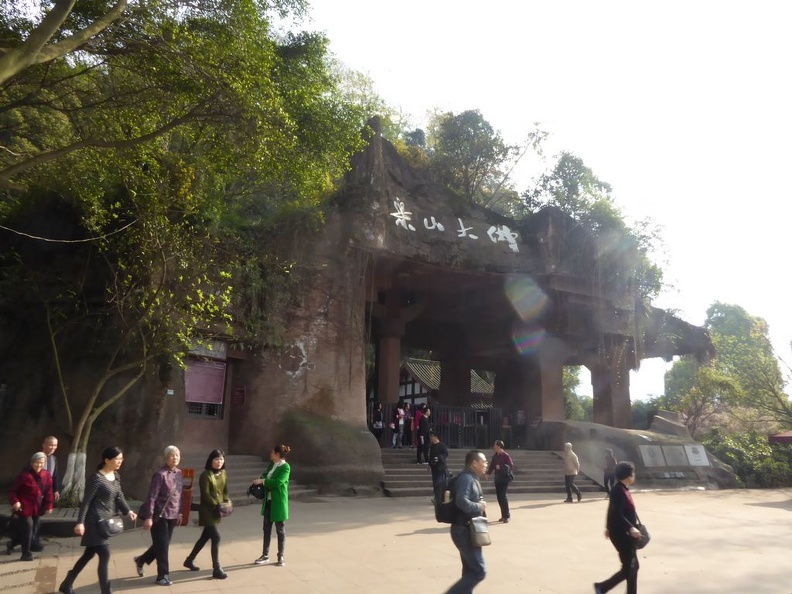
x,y
535,471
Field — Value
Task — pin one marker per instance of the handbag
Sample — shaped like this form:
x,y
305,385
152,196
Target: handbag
x,y
110,526
479,532
224,509
645,536
256,491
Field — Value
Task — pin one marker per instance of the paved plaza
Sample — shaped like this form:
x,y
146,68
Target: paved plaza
x,y
702,542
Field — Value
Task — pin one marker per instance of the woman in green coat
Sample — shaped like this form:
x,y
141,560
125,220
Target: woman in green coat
x,y
214,489
276,501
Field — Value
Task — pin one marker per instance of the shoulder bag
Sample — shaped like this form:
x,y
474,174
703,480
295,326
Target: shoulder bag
x,y
110,526
479,532
224,509
645,536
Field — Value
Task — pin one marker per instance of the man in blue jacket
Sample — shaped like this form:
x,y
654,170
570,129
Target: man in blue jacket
x,y
470,504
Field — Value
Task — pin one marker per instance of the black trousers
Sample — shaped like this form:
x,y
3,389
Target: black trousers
x,y
209,533
503,501
161,533
628,570
23,534
569,484
280,528
422,449
103,552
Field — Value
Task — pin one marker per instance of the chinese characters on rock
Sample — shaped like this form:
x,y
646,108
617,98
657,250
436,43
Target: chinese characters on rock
x,y
496,233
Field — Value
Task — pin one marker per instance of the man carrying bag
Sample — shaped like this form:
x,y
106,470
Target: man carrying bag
x,y
467,496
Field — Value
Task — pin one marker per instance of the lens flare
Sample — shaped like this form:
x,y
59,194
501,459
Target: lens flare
x,y
527,338
525,296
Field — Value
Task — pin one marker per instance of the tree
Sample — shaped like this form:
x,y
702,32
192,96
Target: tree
x,y
168,151
746,355
574,188
700,392
468,155
55,36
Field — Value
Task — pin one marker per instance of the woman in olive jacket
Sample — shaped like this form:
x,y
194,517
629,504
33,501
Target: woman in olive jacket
x,y
214,490
275,508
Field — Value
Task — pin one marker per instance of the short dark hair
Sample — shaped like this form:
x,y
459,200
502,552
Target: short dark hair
x,y
109,454
623,470
212,455
472,456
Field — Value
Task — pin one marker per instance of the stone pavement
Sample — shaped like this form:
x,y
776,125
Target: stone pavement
x,y
703,542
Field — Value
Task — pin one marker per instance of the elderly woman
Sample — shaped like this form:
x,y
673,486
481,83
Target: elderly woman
x,y
621,529
162,513
30,497
103,499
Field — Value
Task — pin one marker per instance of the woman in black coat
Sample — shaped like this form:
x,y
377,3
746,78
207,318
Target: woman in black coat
x,y
622,530
103,500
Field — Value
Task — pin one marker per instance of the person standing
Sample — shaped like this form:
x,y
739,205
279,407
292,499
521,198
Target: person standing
x,y
30,497
571,470
397,426
378,422
48,446
469,500
275,508
214,490
621,529
422,452
407,437
162,513
609,478
502,467
438,454
103,500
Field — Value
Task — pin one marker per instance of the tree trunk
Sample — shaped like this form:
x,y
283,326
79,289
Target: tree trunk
x,y
74,480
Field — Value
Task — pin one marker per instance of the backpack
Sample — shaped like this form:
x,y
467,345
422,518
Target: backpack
x,y
446,511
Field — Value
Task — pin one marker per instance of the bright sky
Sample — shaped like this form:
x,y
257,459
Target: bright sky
x,y
685,108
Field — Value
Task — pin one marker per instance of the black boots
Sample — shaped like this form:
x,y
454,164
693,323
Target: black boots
x,y
66,586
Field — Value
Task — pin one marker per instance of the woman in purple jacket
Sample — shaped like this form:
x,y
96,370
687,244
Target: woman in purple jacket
x,y
502,466
162,513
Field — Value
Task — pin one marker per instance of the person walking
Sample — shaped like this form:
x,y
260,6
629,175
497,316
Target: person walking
x,y
275,508
609,478
48,446
422,450
30,497
571,469
103,499
621,529
162,513
469,500
213,483
502,467
438,454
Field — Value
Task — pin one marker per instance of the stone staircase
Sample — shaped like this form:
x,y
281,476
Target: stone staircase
x,y
535,472
241,470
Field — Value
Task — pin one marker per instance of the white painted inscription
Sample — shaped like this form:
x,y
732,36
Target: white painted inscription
x,y
697,455
496,233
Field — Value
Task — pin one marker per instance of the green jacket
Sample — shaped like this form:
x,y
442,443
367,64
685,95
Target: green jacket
x,y
214,489
278,488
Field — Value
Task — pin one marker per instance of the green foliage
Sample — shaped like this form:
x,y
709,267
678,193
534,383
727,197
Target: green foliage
x,y
754,460
625,252
576,408
643,411
468,155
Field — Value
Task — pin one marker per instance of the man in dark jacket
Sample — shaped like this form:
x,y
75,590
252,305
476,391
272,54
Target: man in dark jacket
x,y
470,503
438,453
422,447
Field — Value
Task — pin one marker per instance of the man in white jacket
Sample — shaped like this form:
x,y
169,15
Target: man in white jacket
x,y
571,469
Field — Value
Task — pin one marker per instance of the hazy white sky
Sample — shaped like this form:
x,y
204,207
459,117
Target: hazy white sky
x,y
685,108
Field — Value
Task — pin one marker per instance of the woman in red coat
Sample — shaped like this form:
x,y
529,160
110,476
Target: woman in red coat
x,y
30,497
